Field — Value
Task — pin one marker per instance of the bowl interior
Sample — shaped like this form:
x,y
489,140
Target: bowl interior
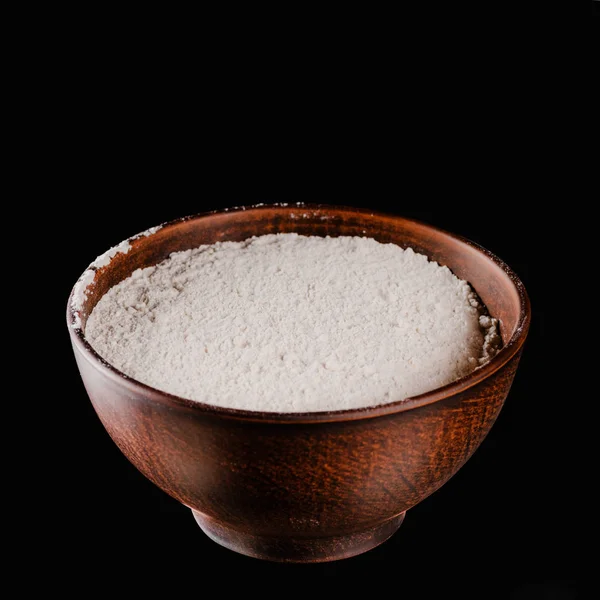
x,y
496,284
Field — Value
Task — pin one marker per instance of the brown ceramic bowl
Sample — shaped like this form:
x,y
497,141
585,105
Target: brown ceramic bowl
x,y
315,486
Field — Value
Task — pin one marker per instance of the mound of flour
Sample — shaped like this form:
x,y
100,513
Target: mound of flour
x,y
290,323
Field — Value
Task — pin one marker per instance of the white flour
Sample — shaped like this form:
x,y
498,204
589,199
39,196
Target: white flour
x,y
289,323
80,290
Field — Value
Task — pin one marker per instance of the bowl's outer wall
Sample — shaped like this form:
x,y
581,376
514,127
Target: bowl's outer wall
x,y
270,478
322,477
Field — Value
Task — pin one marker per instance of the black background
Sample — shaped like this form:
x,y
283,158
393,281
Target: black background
x,y
122,122
503,527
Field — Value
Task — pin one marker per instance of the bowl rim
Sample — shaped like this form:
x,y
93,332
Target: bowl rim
x,y
506,353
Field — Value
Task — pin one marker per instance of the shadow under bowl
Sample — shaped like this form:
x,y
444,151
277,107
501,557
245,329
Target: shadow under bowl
x,y
315,486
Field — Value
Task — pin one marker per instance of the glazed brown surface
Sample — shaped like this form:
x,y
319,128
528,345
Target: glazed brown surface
x,y
318,486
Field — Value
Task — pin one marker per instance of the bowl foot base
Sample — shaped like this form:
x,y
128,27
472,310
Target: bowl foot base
x,y
302,549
